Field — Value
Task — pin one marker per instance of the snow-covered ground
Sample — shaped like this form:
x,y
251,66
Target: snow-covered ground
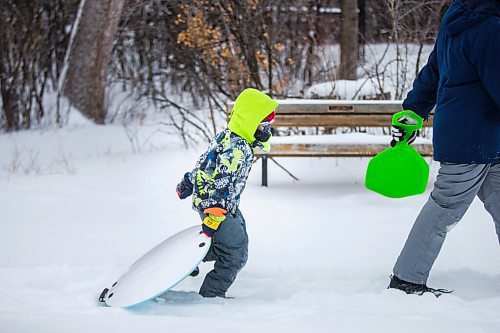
x,y
77,207
390,68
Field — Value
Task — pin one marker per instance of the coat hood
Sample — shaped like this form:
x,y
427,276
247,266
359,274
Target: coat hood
x,y
464,14
250,108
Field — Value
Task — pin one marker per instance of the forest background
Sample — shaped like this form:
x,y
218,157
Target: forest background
x,y
122,60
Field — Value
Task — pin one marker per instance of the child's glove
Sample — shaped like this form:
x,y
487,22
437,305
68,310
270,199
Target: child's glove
x,y
398,133
185,188
215,216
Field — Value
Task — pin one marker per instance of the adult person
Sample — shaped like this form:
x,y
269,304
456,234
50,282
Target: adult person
x,y
462,81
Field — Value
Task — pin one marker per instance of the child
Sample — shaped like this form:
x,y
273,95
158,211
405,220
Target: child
x,y
217,182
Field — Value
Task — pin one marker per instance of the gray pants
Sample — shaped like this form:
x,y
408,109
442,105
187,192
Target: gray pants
x,y
455,188
229,250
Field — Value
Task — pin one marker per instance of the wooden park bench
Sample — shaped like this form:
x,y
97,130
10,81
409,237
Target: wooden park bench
x,y
332,114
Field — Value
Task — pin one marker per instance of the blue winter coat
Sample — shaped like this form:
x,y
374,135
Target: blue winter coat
x,y
462,79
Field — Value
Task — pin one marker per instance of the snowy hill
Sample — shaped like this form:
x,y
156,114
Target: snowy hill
x,y
78,207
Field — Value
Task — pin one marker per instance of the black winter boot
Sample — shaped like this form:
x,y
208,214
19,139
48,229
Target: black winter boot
x,y
414,288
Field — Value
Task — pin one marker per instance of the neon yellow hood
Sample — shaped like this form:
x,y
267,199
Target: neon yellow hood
x,y
250,108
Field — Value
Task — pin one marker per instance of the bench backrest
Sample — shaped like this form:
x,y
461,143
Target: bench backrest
x,y
335,113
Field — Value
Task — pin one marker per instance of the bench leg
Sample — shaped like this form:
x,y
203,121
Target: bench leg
x,y
264,171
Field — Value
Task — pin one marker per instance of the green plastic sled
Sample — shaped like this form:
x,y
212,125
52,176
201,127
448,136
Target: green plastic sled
x,y
399,171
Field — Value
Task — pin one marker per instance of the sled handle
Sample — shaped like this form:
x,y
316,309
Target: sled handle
x,y
416,125
416,122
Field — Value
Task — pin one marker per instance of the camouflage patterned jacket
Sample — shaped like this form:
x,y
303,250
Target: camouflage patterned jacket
x,y
220,174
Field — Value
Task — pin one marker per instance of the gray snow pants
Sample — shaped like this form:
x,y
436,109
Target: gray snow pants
x,y
229,250
455,188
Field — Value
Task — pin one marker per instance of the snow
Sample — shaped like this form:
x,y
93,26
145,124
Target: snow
x,y
77,207
390,68
345,89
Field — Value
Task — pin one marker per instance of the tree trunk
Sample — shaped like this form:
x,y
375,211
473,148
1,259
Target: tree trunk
x,y
312,24
90,56
8,92
349,40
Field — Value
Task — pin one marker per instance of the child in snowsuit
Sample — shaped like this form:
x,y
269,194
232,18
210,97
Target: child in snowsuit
x,y
461,80
217,182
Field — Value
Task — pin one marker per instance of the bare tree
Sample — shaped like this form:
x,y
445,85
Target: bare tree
x,y
32,44
349,53
186,57
90,56
411,21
